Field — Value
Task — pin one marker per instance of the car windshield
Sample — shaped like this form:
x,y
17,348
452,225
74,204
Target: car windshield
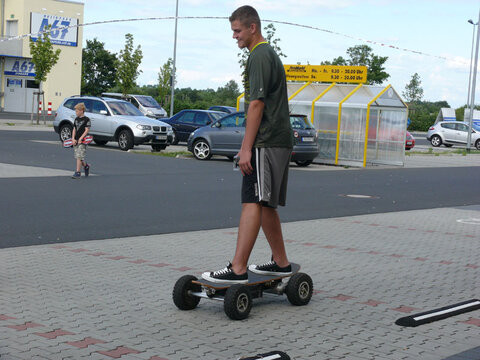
x,y
123,108
147,101
216,115
300,123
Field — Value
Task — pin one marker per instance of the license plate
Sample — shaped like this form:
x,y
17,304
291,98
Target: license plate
x,y
409,143
161,137
307,139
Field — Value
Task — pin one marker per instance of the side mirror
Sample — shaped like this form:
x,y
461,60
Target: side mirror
x,y
103,112
217,124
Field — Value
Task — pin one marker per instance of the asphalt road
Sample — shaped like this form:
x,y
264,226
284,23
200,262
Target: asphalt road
x,y
132,194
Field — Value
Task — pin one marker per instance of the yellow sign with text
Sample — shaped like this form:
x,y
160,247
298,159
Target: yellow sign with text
x,y
326,73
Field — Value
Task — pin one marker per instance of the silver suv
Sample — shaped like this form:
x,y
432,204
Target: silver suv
x,y
451,133
114,120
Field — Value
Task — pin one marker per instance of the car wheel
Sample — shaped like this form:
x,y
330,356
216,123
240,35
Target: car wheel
x,y
125,140
448,145
477,144
436,140
303,163
201,150
156,147
65,132
100,142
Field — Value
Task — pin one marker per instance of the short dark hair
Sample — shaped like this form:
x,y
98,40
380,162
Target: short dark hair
x,y
247,15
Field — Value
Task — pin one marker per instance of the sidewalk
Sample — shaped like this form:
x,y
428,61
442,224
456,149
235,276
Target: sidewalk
x,y
111,299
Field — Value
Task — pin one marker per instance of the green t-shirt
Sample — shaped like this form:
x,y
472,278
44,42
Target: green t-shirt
x,y
266,81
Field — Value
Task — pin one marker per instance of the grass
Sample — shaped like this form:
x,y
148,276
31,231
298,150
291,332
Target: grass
x,y
430,151
165,153
10,124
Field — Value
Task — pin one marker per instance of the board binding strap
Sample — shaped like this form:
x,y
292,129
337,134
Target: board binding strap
x,y
273,355
439,314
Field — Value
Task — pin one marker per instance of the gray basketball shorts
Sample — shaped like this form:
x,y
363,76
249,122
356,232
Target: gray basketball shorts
x,y
267,184
79,151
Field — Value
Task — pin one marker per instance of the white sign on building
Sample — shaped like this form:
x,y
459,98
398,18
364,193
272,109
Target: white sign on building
x,y
19,67
58,36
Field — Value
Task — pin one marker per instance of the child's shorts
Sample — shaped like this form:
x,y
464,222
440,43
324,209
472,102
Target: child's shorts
x,y
267,184
79,151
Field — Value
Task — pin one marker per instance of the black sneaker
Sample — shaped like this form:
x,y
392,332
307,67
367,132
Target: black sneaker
x,y
76,175
270,268
86,168
225,275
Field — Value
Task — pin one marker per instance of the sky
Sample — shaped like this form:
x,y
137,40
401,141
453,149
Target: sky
x,y
207,56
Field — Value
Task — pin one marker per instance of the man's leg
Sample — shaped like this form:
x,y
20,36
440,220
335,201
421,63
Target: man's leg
x,y
79,165
248,229
273,231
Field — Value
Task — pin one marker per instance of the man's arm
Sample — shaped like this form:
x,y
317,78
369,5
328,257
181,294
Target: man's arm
x,y
254,118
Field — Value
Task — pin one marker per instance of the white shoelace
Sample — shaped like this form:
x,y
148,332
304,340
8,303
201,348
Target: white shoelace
x,y
270,263
222,271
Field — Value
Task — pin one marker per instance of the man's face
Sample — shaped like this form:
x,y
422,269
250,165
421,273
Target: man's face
x,y
242,34
79,112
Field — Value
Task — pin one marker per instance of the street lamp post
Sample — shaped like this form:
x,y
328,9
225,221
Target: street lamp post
x,y
472,97
174,63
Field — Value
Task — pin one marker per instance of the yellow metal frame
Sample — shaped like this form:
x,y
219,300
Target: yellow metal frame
x,y
299,90
367,124
318,98
340,119
238,100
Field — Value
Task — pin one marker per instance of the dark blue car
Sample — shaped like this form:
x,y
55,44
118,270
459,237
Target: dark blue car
x,y
187,121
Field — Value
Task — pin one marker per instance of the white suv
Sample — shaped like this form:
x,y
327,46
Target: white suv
x,y
451,133
114,120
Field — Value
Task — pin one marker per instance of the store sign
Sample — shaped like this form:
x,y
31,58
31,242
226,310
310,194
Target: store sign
x,y
58,36
326,73
19,67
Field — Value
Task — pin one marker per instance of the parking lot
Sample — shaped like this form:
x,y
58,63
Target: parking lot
x,y
111,297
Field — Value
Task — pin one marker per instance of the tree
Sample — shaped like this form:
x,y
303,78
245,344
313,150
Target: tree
x,y
413,91
362,55
127,65
227,95
98,68
165,82
43,57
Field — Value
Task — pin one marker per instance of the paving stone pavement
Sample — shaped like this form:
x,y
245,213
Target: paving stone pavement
x,y
111,299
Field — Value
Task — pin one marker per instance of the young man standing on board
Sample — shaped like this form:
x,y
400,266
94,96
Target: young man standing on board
x,y
265,153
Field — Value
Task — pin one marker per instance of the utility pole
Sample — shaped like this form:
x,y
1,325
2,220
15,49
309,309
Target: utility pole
x,y
174,62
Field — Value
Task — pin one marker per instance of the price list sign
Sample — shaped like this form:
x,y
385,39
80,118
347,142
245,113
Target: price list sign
x,y
326,73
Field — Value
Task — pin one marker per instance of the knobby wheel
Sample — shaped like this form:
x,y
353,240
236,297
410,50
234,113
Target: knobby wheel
x,y
238,302
181,293
299,289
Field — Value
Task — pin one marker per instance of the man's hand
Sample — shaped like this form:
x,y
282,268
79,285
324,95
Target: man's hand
x,y
245,156
74,142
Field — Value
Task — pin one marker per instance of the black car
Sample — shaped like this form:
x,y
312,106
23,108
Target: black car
x,y
225,137
187,121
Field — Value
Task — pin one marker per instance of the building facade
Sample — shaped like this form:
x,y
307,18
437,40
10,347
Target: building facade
x,y
17,82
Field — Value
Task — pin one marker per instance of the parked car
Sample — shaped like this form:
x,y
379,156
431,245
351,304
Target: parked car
x,y
114,120
145,103
225,109
451,133
224,137
409,141
187,121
